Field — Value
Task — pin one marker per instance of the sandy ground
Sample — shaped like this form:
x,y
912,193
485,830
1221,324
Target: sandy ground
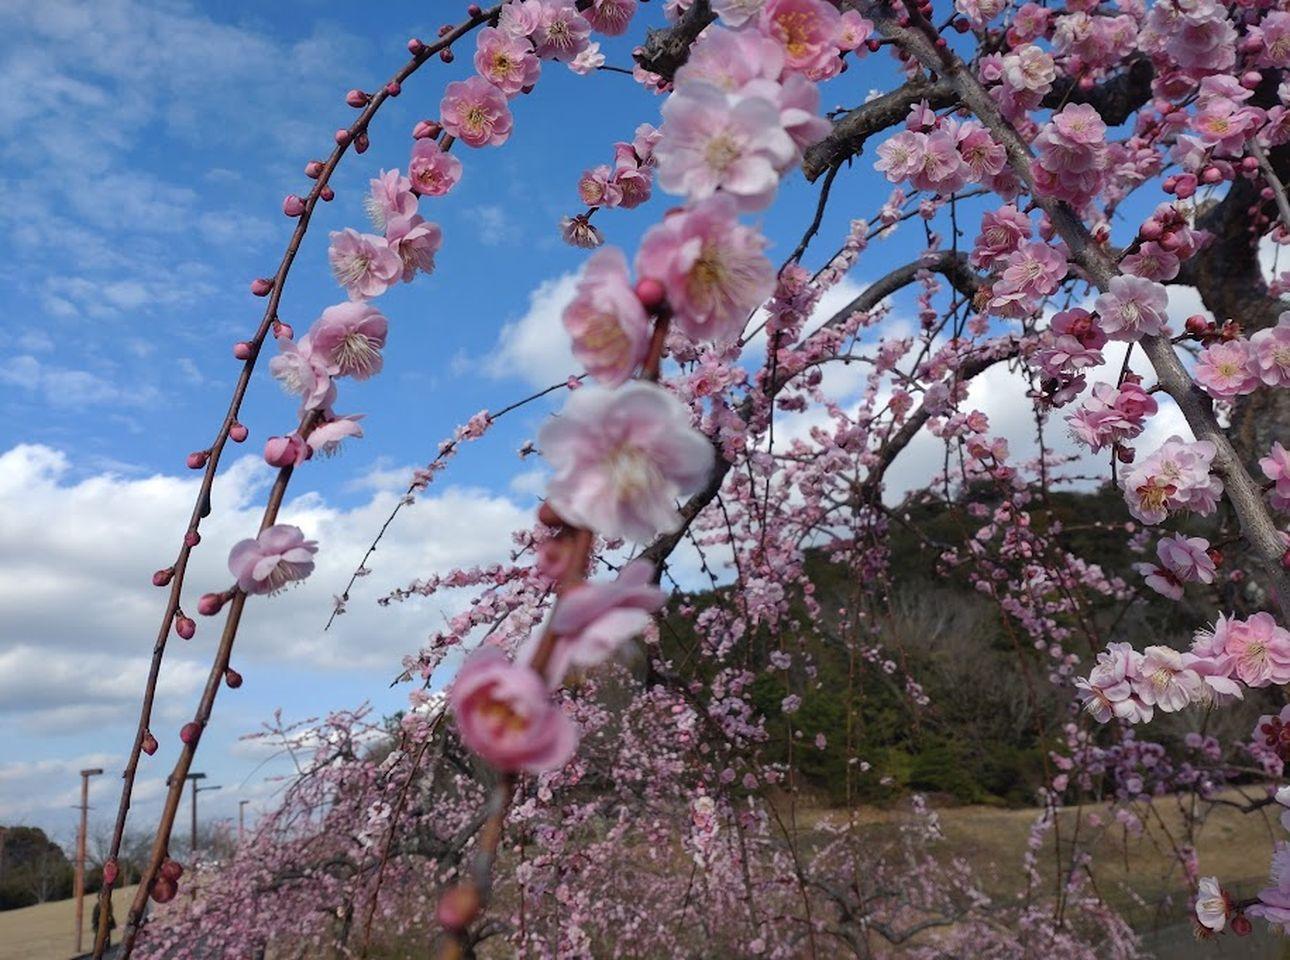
x,y
48,931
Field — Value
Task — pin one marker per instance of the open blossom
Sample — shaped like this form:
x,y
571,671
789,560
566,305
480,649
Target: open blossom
x,y
1270,355
1259,649
606,321
1183,559
1112,414
593,620
598,188
303,373
579,232
808,30
1224,369
562,33
711,266
476,112
326,438
736,13
1002,232
507,62
431,171
610,17
416,240
391,196
730,59
1070,155
633,180
1276,467
1212,905
1108,691
588,61
713,141
348,338
363,263
505,715
1274,901
1164,680
275,558
1175,477
621,459
1031,272
1133,307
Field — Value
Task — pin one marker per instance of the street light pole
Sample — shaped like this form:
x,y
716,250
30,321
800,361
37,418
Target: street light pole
x,y
241,819
197,790
80,854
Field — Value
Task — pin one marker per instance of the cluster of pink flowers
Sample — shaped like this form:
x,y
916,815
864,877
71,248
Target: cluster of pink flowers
x,y
1255,651
1238,366
1133,307
939,155
1175,477
367,265
1070,155
1112,414
1183,560
1276,467
628,182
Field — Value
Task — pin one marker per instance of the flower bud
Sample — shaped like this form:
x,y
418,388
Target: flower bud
x,y
458,907
232,678
282,330
238,432
171,869
1151,229
1241,925
446,55
1186,186
1251,79
1125,454
327,193
164,890
313,169
110,871
650,292
292,205
197,459
1196,324
191,732
1215,556
192,538
1212,175
162,578
185,627
261,286
149,745
361,143
288,451
473,10
358,99
342,137
394,88
242,350
210,604
416,47
426,130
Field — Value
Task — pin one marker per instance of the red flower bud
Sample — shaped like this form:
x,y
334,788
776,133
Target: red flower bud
x,y
171,869
327,193
185,627
192,538
1241,925
394,88
110,871
149,745
416,47
197,459
1215,556
292,205
164,890
650,292
210,604
242,350
473,10
238,432
162,578
358,99
342,137
232,678
191,732
361,143
261,286
446,55
1196,324
313,169
282,330
426,130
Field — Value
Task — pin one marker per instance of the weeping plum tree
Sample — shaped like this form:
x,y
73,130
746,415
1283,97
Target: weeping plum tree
x,y
578,775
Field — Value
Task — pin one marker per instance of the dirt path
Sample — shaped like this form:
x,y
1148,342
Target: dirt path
x,y
48,931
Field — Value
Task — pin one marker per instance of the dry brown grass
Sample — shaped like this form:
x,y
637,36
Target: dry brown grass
x,y
48,931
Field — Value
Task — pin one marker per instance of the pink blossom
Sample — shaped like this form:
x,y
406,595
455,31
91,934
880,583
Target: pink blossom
x,y
711,266
622,457
579,232
288,451
562,33
520,18
302,373
1071,155
348,338
608,325
1112,414
588,61
808,31
1212,905
505,61
1165,681
432,171
1276,467
326,438
597,188
1175,477
476,113
1132,308
1182,560
391,196
1108,691
1152,262
736,13
731,59
593,620
278,556
644,140
1002,232
363,263
505,715
416,241
1274,901
717,141
1270,355
1224,369
610,17
632,181
1273,33
1259,648
853,31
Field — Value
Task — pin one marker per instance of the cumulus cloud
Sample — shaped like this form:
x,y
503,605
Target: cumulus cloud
x,y
535,347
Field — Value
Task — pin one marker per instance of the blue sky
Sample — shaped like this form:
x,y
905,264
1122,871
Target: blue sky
x,y
145,147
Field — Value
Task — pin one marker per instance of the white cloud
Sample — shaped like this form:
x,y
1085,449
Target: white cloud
x,y
535,347
66,387
77,554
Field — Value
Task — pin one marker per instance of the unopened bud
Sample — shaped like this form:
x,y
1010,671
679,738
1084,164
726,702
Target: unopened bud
x,y
1151,229
1241,925
473,10
210,604
650,292
192,538
242,350
327,193
361,143
163,890
191,732
394,88
261,286
110,871
426,130
171,869
313,169
446,55
162,578
292,205
1215,556
288,451
416,47
197,459
238,432
342,137
282,330
548,517
358,99
149,745
1196,324
232,678
185,627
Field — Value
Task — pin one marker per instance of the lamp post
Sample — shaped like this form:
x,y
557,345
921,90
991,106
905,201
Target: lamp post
x,y
241,819
80,854
197,790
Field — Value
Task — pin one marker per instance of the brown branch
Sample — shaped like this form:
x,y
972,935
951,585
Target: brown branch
x,y
665,50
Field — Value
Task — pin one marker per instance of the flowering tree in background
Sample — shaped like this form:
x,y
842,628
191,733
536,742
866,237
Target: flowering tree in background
x,y
602,778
